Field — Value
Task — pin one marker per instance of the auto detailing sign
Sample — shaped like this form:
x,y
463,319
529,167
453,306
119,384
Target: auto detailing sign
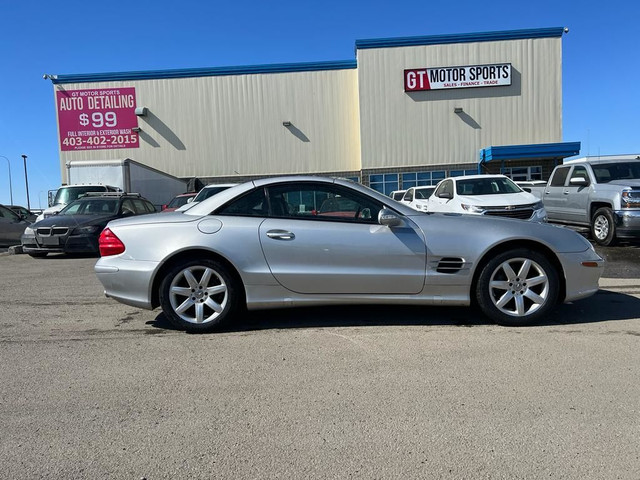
x,y
97,119
441,78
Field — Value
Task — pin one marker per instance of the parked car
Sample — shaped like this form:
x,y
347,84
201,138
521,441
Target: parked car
x,y
76,228
178,201
206,192
23,212
491,195
68,193
601,193
418,197
11,227
261,245
397,194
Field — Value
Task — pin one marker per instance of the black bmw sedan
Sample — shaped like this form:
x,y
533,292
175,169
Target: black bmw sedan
x,y
76,228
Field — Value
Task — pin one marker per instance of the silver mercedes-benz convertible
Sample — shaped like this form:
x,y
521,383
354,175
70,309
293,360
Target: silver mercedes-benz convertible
x,y
303,241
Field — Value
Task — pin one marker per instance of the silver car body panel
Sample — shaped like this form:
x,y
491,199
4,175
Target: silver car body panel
x,y
335,263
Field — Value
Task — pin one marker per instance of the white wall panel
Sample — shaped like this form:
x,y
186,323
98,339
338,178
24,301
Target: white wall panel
x,y
228,125
420,128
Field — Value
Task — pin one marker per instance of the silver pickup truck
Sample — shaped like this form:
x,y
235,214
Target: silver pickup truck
x,y
602,194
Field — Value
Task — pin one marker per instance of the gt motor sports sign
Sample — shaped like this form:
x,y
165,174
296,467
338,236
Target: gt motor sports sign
x,y
97,119
441,78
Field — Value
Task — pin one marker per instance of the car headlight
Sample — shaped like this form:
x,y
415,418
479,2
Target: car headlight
x,y
86,230
537,205
630,199
423,207
472,208
29,231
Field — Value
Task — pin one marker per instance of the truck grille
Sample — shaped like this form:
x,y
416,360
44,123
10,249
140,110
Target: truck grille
x,y
523,212
51,231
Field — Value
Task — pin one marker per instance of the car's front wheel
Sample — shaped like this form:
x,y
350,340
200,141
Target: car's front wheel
x,y
517,287
199,295
38,254
603,227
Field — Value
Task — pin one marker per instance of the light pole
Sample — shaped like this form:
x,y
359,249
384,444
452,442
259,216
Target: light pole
x,y
26,180
10,187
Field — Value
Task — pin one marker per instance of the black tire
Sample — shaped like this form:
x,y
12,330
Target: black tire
x,y
38,254
518,287
603,227
208,291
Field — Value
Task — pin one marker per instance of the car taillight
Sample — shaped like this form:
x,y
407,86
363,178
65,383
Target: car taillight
x,y
109,244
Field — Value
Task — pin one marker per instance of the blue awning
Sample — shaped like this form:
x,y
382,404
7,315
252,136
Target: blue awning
x,y
538,151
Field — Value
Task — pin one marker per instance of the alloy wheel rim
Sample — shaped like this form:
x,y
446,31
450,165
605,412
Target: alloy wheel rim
x,y
198,294
601,227
519,287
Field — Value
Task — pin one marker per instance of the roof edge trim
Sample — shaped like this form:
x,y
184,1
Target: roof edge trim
x,y
204,72
460,38
539,150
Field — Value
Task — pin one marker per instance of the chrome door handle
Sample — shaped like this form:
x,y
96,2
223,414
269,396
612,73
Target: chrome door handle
x,y
280,235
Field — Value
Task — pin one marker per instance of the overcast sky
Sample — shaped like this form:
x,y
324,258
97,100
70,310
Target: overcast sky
x,y
601,56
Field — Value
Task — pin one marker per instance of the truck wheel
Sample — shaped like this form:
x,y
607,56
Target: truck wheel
x,y
517,287
200,295
603,227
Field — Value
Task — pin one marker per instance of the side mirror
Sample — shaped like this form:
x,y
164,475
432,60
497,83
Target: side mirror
x,y
579,181
389,218
190,199
447,195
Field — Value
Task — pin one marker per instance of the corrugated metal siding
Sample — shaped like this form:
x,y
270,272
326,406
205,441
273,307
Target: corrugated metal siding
x,y
228,125
420,128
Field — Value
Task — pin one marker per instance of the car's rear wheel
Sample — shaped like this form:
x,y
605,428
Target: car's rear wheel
x,y
200,295
517,287
603,227
38,254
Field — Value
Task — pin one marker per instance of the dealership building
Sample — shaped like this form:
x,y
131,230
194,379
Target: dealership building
x,y
406,111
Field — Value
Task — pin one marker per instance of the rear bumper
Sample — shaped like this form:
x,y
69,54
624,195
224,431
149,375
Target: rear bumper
x,y
127,281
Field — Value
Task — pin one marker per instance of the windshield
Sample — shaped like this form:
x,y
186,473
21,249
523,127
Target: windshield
x,y
424,193
486,186
207,192
68,194
607,172
94,206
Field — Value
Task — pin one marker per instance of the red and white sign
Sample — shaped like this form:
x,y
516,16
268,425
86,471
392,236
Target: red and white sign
x,y
440,78
97,119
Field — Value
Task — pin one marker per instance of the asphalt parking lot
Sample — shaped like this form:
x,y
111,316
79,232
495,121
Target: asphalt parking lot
x,y
95,389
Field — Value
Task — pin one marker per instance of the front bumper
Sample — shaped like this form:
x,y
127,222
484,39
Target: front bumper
x,y
582,271
627,223
86,243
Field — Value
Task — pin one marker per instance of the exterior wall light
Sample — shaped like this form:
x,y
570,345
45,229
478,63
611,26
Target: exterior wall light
x,y
457,109
136,129
141,111
286,123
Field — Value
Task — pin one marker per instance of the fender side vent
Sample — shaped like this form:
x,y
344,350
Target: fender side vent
x,y
450,265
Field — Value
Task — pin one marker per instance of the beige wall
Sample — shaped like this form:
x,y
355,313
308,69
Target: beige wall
x,y
420,128
217,126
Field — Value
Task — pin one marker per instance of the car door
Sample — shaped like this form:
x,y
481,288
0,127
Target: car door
x,y
554,199
11,227
577,195
327,240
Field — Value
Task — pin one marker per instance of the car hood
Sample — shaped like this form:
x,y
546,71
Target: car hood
x,y
73,221
632,182
499,200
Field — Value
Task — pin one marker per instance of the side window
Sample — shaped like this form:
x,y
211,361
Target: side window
x,y
252,204
140,207
445,187
580,172
150,207
128,207
559,177
408,197
320,201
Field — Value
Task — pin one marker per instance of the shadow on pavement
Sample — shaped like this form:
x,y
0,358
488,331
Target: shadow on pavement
x,y
603,307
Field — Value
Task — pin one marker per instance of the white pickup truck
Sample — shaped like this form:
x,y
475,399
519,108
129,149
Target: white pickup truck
x,y
602,193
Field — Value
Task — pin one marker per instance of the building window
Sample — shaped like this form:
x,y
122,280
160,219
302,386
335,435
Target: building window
x,y
459,173
384,183
522,174
420,179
